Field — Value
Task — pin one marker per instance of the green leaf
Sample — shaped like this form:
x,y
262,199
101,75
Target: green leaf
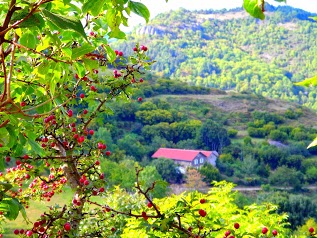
x,y
253,8
314,18
140,9
67,52
313,144
23,212
280,0
66,23
81,71
94,7
32,21
91,64
36,147
82,50
5,186
11,208
111,55
28,40
2,164
308,82
12,135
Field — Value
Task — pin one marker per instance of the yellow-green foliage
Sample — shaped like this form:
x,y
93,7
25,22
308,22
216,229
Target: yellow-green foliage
x,y
183,210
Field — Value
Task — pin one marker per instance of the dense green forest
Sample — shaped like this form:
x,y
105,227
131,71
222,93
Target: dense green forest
x,y
230,50
81,119
262,141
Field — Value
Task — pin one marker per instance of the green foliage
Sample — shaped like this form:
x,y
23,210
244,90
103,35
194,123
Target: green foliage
x,y
298,207
232,132
212,136
168,170
287,177
277,135
254,8
212,51
209,173
221,214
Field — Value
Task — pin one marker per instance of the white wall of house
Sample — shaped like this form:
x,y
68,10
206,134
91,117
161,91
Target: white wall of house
x,y
212,159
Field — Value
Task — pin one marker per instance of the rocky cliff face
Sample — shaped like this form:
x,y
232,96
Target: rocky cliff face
x,y
149,30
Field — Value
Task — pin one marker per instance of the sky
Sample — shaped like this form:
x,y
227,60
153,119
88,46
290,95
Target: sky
x,y
158,6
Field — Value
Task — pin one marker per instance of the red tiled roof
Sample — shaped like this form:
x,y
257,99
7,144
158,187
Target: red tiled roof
x,y
178,154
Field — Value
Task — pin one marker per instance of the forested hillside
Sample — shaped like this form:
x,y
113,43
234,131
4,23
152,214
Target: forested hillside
x,y
230,50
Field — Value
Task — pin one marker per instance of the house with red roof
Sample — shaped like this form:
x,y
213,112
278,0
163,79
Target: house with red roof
x,y
186,158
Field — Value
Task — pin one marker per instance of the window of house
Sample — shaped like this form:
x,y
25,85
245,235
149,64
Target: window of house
x,y
195,161
201,160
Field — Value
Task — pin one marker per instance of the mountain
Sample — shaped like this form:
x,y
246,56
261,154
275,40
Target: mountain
x,y
230,50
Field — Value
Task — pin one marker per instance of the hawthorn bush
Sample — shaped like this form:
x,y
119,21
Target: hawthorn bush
x,y
58,73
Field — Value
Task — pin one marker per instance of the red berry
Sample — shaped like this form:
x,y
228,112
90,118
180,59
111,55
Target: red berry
x,y
8,159
96,71
36,224
149,205
102,176
140,99
76,76
274,232
101,190
81,139
120,53
21,231
264,230
1,145
227,233
93,88
144,48
16,232
25,156
70,113
91,132
113,229
236,225
116,52
141,80
97,162
29,233
85,78
311,229
91,33
108,153
202,201
22,104
67,226
135,49
202,212
85,111
82,95
86,183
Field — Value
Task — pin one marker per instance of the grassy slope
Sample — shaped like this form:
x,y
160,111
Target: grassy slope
x,y
232,102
